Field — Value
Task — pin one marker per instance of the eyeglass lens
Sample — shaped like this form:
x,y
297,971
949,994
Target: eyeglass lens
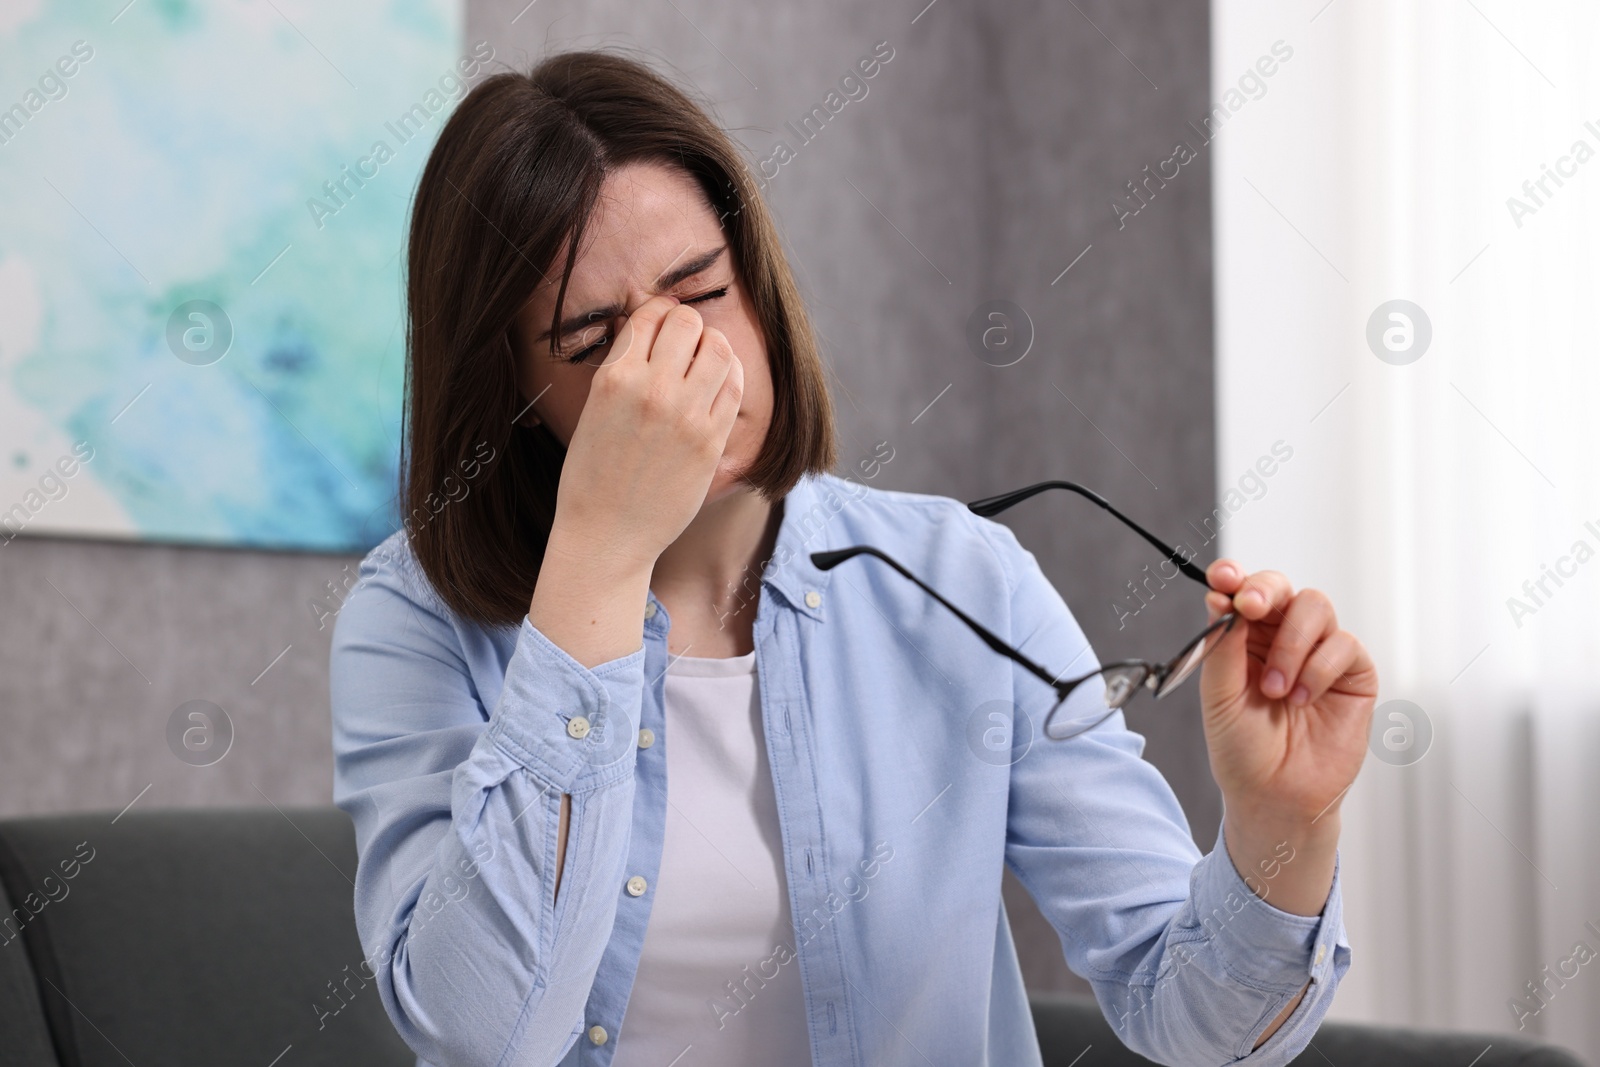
x,y
1183,664
1094,699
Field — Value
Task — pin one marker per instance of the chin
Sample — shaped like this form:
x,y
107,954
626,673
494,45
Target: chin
x,y
728,480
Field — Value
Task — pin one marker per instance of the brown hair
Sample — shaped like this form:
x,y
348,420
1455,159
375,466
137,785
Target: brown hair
x,y
516,172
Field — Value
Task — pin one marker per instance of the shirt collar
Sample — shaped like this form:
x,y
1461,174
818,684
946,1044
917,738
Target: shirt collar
x,y
808,513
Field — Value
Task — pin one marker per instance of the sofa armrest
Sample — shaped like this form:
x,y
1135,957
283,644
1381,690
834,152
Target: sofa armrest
x,y
1073,1033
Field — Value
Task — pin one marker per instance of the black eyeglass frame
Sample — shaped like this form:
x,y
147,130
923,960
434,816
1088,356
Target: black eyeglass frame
x,y
1146,674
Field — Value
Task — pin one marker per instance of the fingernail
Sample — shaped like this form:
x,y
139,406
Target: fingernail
x,y
1300,695
1227,570
1273,682
1254,598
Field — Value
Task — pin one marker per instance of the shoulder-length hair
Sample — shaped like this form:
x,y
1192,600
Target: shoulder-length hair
x,y
515,174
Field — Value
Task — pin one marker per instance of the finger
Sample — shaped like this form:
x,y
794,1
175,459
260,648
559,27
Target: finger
x,y
1225,674
638,334
725,408
1224,575
1307,621
712,360
676,342
1339,656
1262,595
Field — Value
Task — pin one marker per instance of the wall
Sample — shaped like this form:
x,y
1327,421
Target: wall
x,y
982,163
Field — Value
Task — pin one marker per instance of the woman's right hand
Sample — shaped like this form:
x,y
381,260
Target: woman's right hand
x,y
637,470
646,446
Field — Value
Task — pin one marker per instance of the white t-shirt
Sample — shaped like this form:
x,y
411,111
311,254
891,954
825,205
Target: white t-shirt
x,y
718,983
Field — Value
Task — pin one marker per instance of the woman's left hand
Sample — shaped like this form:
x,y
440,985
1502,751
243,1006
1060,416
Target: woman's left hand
x,y
1287,698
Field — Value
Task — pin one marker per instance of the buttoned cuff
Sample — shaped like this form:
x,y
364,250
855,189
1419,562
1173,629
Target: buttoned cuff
x,y
1259,945
572,726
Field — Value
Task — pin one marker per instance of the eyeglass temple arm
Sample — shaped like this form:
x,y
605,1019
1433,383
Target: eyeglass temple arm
x,y
832,558
994,505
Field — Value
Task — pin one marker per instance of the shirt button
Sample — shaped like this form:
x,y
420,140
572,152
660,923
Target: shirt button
x,y
636,886
813,599
1322,950
647,737
650,610
598,1034
578,727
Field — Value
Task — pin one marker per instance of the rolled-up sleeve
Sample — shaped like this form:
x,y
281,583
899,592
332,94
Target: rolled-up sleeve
x,y
477,958
1189,965
1247,951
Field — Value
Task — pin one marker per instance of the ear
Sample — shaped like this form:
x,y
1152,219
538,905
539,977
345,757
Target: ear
x,y
528,418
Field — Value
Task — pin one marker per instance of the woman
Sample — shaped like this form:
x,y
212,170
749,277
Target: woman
x,y
615,473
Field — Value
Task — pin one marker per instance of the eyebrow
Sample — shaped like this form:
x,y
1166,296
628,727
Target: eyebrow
x,y
671,278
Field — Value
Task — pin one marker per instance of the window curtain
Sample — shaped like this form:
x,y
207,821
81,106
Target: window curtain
x,y
1406,214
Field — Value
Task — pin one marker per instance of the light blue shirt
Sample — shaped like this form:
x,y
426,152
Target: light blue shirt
x,y
905,782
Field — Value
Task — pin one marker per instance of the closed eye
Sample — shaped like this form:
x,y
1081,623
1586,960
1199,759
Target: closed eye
x,y
583,355
707,296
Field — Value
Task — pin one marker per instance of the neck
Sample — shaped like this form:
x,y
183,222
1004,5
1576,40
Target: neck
x,y
718,559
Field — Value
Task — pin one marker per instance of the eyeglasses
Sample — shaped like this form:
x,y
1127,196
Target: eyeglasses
x,y
1084,702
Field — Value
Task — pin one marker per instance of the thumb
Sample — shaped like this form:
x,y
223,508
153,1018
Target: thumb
x,y
1225,674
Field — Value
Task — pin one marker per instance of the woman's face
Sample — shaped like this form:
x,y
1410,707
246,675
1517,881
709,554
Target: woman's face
x,y
651,224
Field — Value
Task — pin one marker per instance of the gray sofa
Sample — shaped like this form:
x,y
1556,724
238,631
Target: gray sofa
x,y
227,937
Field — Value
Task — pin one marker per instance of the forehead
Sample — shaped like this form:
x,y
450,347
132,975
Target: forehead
x,y
648,217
